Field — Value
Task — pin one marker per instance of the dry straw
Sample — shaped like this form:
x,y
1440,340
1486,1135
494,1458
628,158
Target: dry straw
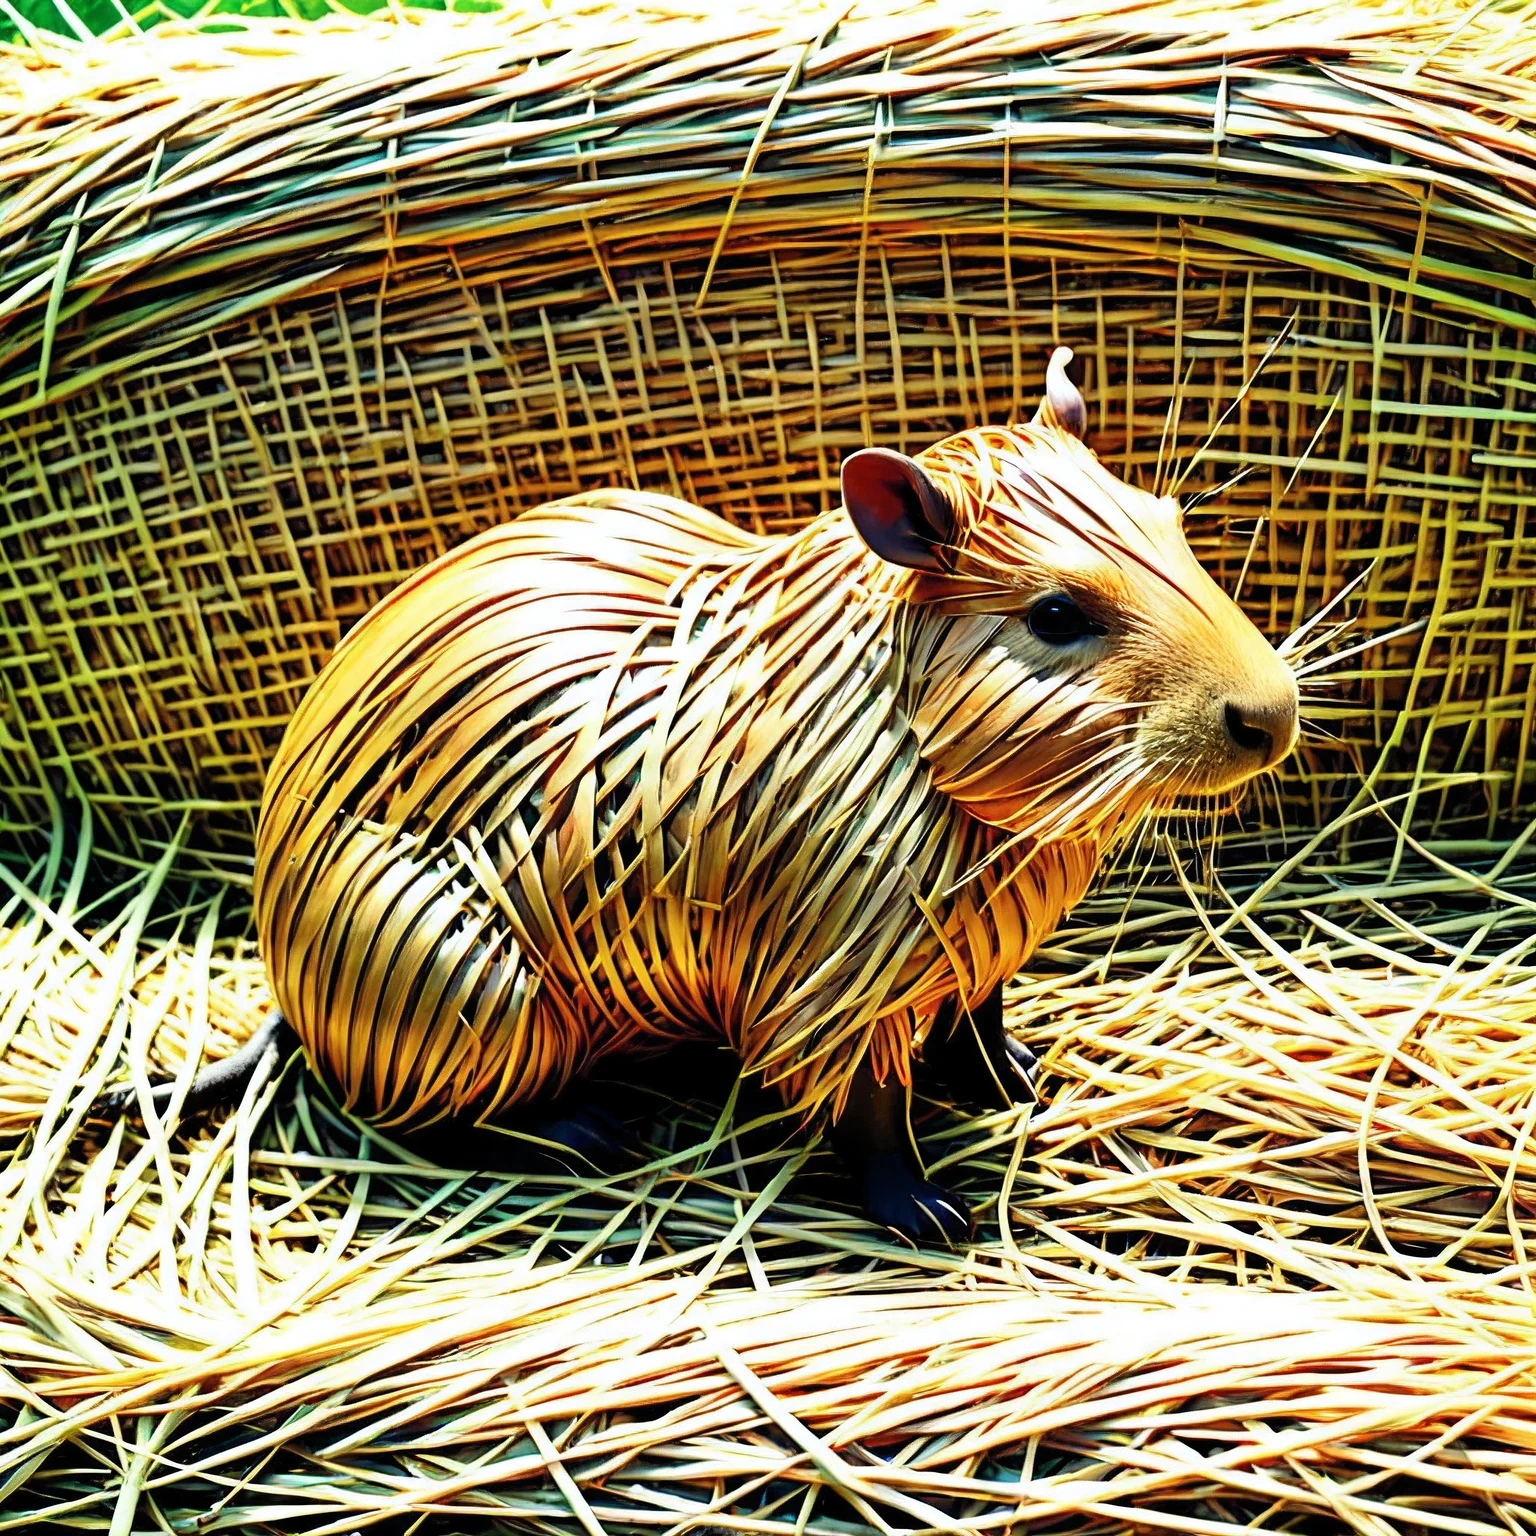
x,y
1263,1250
286,311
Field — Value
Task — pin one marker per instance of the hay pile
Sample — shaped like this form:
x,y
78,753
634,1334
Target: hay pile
x,y
1263,1250
286,311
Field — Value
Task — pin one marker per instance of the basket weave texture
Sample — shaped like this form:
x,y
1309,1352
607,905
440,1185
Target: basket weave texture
x,y
285,310
284,321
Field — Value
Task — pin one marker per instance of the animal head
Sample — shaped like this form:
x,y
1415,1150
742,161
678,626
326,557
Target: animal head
x,y
1070,662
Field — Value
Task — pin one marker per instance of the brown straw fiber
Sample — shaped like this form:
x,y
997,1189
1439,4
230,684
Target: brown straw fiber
x,y
619,775
286,311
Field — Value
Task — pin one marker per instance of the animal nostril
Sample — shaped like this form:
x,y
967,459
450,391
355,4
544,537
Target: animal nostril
x,y
1251,738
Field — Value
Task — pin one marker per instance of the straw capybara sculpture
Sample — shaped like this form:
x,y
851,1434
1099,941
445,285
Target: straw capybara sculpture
x,y
619,775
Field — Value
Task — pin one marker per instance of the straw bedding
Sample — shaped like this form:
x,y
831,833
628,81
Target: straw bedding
x,y
287,311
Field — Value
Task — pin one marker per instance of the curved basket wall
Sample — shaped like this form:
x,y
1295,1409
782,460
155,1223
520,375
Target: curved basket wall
x,y
282,321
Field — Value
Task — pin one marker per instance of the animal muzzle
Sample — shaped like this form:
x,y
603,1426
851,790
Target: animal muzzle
x,y
1249,727
1227,723
1261,729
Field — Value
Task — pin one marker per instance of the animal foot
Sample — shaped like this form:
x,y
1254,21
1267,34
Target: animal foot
x,y
219,1085
914,1207
113,1104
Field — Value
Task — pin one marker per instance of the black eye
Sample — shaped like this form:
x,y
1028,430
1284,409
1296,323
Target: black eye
x,y
1059,621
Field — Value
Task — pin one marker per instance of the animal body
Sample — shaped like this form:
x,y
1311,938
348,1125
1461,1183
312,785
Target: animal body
x,y
618,775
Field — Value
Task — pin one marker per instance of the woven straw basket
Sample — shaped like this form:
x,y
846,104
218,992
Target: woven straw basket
x,y
288,309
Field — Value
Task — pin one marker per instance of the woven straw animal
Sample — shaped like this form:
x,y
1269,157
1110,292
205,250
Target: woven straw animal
x,y
619,775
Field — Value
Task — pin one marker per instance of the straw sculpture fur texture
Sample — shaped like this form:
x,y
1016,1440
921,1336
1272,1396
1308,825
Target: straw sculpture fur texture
x,y
619,775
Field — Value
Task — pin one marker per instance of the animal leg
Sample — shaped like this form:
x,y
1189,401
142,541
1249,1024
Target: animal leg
x,y
874,1139
217,1086
977,1059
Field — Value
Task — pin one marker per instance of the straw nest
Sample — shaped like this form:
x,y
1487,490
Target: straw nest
x,y
287,311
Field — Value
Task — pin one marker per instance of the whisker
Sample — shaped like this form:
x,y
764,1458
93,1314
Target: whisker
x,y
1200,498
1237,400
1364,645
1320,641
1311,729
1292,640
1253,543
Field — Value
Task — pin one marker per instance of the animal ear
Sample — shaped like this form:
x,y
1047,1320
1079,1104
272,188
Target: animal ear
x,y
899,512
1063,405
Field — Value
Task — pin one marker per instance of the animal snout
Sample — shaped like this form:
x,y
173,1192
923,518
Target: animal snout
x,y
1263,729
1250,737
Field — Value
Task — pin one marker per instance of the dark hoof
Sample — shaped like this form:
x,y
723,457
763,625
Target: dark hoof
x,y
916,1209
582,1138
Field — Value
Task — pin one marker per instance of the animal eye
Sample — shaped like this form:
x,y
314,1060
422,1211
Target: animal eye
x,y
1059,621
